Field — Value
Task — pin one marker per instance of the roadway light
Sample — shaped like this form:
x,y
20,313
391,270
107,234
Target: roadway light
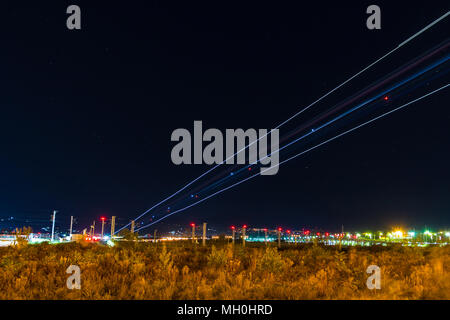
x,y
398,234
428,233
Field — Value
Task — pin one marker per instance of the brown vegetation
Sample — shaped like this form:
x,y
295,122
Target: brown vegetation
x,y
182,270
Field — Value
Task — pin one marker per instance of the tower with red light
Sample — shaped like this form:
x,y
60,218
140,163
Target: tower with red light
x,y
233,234
103,219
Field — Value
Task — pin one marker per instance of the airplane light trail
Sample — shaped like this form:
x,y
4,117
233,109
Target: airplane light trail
x,y
376,98
315,130
244,169
399,71
301,153
434,22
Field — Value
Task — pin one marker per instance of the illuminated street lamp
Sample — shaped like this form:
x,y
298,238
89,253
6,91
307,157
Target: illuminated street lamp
x,y
428,233
398,234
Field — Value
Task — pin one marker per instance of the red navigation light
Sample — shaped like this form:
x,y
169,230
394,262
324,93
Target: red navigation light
x,y
288,231
318,233
386,98
232,227
192,225
103,218
327,234
244,226
279,229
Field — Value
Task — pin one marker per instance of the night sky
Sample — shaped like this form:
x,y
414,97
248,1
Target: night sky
x,y
86,115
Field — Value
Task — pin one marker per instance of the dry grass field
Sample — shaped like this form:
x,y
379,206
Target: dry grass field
x,y
181,270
